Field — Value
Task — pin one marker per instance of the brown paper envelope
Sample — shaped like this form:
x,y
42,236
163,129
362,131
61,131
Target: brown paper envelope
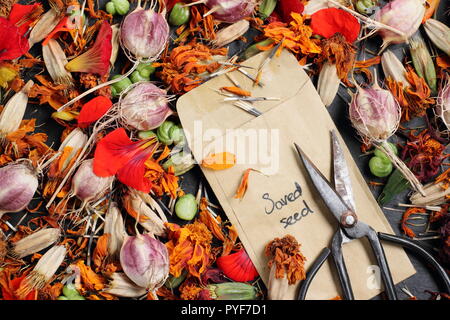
x,y
214,126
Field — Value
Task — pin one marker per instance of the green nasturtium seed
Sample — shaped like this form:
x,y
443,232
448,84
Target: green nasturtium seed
x,y
118,6
380,154
179,15
380,168
186,207
365,6
69,292
137,77
118,87
181,162
169,133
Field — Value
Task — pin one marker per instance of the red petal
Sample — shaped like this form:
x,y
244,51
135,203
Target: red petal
x,y
117,154
111,153
60,27
286,7
18,12
238,266
328,22
96,59
93,110
12,43
132,174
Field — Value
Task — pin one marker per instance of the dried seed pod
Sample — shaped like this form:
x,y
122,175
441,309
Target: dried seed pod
x,y
18,183
442,108
120,285
44,270
55,60
47,22
439,34
14,110
115,40
35,242
328,83
231,33
144,106
115,227
423,63
393,68
87,186
436,194
142,207
145,261
403,15
231,10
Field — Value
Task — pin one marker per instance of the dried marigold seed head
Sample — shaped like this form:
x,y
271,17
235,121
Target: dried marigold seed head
x,y
55,60
439,34
114,226
14,110
393,68
44,270
328,83
120,285
374,113
35,242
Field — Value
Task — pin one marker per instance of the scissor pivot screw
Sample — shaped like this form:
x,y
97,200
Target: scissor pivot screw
x,y
348,219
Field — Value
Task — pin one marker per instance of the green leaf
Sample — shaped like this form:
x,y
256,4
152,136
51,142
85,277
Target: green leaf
x,y
395,185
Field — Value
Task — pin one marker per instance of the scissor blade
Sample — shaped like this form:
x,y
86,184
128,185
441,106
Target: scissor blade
x,y
331,198
342,181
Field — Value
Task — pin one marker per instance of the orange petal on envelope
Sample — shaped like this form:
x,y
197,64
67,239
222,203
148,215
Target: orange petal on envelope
x,y
219,161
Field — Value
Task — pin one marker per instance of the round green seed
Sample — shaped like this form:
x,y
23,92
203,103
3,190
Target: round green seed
x,y
186,207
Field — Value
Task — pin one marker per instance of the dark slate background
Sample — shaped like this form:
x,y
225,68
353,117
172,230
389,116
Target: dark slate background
x,y
423,280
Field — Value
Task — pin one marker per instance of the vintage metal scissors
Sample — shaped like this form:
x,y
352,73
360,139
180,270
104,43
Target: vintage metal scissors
x,y
339,200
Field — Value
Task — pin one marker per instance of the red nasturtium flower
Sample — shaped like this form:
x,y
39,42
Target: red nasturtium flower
x,y
328,22
96,59
286,7
13,40
9,288
60,27
93,110
117,155
237,266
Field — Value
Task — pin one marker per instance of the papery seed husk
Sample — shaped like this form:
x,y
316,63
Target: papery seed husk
x,y
145,261
55,60
231,33
14,110
35,242
114,226
44,26
87,186
144,107
144,33
115,40
44,270
120,285
403,15
442,108
439,34
328,83
18,184
393,68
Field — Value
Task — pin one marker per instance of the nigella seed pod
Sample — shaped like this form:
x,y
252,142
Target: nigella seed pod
x,y
18,183
87,186
375,113
144,107
144,33
145,261
442,108
231,10
403,15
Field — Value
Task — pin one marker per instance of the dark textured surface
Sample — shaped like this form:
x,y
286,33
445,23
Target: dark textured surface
x,y
417,284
